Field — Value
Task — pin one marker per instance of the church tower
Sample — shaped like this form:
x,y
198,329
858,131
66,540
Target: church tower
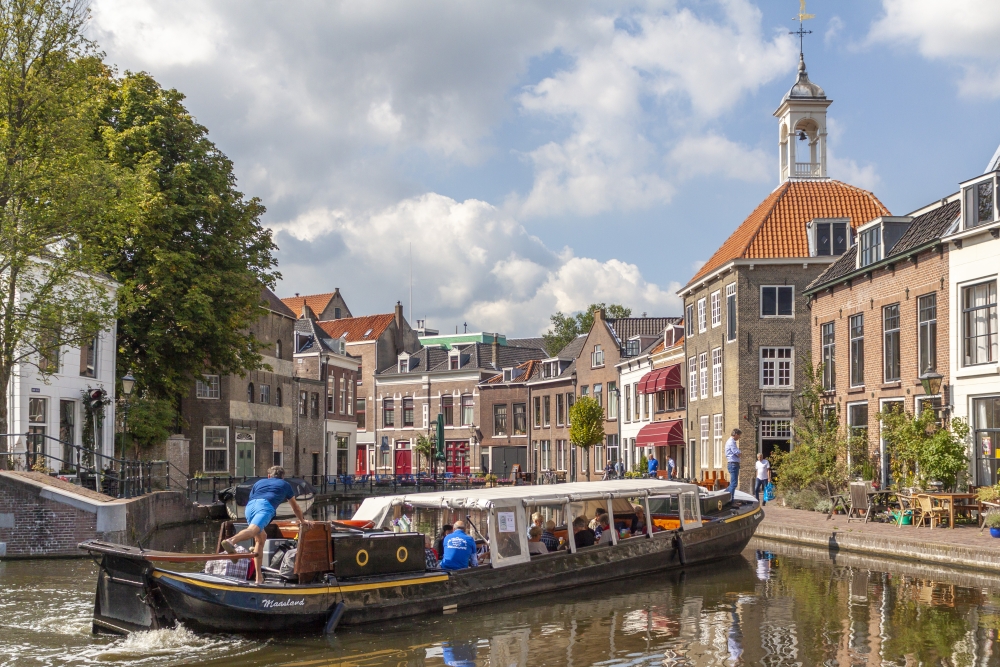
x,y
802,130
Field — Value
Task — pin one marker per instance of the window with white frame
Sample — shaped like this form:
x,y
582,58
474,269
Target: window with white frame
x,y
777,301
468,407
703,423
717,372
716,302
216,448
701,315
829,356
703,373
635,395
871,245
343,395
776,367
500,419
692,382
718,449
857,331
561,455
689,320
979,200
731,312
207,388
779,429
890,343
979,323
597,357
927,332
831,238
627,414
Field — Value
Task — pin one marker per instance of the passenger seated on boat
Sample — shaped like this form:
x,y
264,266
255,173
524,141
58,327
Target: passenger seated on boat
x,y
582,534
439,542
459,550
535,545
537,520
596,520
549,538
639,523
603,532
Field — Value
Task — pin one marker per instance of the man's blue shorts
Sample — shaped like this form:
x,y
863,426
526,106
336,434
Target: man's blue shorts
x,y
259,512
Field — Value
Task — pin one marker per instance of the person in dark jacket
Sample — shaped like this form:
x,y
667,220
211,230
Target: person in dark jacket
x,y
439,542
582,535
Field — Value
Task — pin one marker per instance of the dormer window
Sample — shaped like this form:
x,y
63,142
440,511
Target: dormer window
x,y
508,374
454,362
303,342
829,238
979,205
871,246
632,348
877,238
404,363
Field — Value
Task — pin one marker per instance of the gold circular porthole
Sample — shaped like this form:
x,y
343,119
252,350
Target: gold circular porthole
x,y
362,557
720,504
402,554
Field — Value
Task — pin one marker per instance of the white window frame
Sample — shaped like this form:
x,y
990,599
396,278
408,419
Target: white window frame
x,y
702,324
774,425
689,320
204,448
703,426
776,289
777,361
597,357
731,324
716,304
692,382
718,442
717,371
208,391
703,373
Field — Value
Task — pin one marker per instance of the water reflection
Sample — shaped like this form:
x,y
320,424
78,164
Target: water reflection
x,y
774,605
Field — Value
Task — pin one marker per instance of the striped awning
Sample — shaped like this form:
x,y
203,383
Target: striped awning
x,y
661,379
661,434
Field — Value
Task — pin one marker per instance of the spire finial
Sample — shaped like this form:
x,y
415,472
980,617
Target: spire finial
x,y
801,32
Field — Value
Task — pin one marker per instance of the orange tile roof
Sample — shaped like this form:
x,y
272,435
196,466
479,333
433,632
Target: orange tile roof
x,y
316,302
530,367
777,227
659,348
356,327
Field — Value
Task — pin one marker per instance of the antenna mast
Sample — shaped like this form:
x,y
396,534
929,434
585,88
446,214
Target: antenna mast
x,y
411,280
801,32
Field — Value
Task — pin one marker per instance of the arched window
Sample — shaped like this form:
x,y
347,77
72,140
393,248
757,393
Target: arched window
x,y
277,349
277,396
250,393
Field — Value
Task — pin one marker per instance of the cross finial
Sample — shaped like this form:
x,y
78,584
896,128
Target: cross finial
x,y
802,32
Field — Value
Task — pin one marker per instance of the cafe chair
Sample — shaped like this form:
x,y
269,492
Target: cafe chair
x,y
861,507
927,511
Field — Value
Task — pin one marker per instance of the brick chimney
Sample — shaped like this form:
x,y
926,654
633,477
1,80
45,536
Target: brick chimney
x,y
496,352
399,326
307,313
599,314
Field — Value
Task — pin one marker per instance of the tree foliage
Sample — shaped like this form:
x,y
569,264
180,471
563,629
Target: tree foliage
x,y
586,426
191,265
919,452
817,458
56,191
425,449
150,421
567,327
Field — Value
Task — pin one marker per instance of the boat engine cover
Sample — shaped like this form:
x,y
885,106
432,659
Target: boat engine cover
x,y
372,555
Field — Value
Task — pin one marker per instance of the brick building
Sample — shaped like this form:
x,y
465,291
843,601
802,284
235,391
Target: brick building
x,y
410,394
875,315
328,306
554,387
746,320
503,408
333,379
609,341
377,340
240,425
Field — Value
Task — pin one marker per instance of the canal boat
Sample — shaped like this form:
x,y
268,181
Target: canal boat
x,y
373,567
237,496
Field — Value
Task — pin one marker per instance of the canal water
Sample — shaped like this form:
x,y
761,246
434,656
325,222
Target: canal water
x,y
773,605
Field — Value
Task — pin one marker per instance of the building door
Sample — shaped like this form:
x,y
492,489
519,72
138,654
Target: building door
x,y
456,457
986,421
885,459
315,468
342,443
67,434
245,454
403,462
362,460
503,459
775,434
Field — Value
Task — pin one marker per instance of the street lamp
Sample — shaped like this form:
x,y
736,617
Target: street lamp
x,y
128,384
931,382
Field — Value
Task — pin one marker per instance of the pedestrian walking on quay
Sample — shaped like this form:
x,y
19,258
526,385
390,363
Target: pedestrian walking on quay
x,y
654,465
733,460
762,478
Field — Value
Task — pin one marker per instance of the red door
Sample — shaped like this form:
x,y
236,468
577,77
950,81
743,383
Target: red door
x,y
361,465
403,466
457,457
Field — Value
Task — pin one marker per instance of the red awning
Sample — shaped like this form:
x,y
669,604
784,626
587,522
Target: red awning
x,y
660,434
661,379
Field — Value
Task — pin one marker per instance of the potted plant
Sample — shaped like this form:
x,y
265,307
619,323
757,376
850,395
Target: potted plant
x,y
992,521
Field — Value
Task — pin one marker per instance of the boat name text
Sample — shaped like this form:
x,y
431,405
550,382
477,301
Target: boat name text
x,y
270,604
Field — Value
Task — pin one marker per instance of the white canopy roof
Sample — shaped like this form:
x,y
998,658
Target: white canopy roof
x,y
504,496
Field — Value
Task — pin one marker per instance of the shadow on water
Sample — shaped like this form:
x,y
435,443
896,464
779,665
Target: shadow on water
x,y
775,605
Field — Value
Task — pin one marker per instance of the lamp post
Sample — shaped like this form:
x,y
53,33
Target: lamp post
x,y
128,384
931,382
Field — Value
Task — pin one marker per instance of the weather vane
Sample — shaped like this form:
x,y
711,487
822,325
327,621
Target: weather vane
x,y
802,17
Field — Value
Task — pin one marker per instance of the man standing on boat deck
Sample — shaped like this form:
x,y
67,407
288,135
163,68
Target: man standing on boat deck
x,y
265,496
459,550
733,460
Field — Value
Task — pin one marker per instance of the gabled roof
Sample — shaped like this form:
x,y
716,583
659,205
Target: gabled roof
x,y
523,372
625,327
476,356
925,229
317,302
358,329
572,349
274,304
536,343
777,227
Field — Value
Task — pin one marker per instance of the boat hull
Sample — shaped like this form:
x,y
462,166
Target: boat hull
x,y
218,604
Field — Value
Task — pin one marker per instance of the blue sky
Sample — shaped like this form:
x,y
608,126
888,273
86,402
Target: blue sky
x,y
542,156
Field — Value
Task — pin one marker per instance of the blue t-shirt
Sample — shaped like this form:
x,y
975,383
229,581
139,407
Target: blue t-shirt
x,y
654,465
459,551
273,490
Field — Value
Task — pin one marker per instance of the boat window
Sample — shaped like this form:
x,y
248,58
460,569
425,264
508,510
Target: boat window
x,y
509,527
690,513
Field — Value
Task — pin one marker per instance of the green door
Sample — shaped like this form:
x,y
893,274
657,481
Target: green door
x,y
244,457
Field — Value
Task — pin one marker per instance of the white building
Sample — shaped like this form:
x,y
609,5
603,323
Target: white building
x,y
46,411
974,262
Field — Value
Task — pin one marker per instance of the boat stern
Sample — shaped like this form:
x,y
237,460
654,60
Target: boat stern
x,y
127,597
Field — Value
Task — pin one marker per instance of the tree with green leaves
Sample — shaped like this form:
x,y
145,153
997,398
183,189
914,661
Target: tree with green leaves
x,y
920,451
586,427
191,266
57,193
567,327
424,448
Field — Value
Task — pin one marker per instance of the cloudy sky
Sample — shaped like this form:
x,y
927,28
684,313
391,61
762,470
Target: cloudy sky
x,y
537,156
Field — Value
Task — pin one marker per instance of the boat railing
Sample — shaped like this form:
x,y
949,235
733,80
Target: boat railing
x,y
86,467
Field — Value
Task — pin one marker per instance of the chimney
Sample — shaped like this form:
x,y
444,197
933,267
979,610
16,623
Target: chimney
x,y
599,314
307,313
496,352
399,326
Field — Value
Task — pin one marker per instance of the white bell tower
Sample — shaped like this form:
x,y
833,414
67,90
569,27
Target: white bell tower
x,y
802,130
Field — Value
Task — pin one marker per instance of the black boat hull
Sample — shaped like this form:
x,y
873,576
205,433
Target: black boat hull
x,y
216,604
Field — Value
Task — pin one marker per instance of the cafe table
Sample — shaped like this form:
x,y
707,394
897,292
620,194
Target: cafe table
x,y
948,501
